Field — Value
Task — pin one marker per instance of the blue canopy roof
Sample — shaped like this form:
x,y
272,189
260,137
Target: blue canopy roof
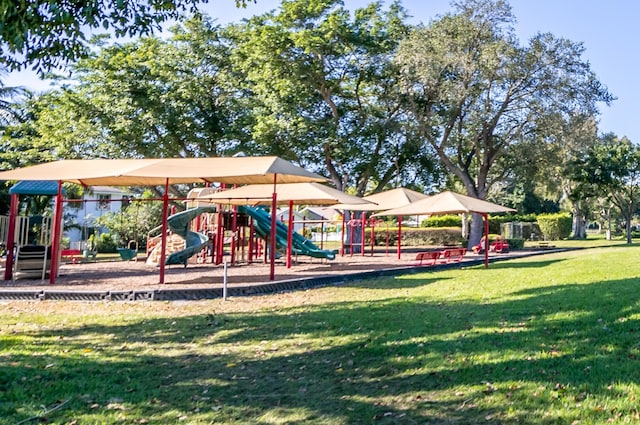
x,y
35,187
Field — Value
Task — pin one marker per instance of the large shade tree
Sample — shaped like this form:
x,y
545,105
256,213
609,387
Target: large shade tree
x,y
611,170
149,98
325,92
45,34
477,93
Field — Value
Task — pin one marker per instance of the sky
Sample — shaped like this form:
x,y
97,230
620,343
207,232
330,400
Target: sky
x,y
608,31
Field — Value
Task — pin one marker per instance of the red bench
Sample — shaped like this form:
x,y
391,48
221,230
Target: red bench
x,y
499,247
70,253
454,254
427,256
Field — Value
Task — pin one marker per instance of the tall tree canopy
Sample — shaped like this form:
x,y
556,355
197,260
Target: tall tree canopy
x,y
477,93
46,34
149,98
325,91
611,169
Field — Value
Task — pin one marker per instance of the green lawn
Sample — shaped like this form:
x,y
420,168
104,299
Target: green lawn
x,y
549,339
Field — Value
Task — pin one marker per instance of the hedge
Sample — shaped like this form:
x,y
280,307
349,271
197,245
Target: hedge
x,y
412,236
555,226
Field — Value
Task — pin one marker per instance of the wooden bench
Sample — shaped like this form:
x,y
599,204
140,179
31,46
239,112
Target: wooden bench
x,y
427,256
455,254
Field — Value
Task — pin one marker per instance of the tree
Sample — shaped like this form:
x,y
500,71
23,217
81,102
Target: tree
x,y
325,92
476,93
611,169
133,222
46,34
148,98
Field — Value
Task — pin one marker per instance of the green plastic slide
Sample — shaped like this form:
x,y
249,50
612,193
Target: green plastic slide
x,y
179,224
300,244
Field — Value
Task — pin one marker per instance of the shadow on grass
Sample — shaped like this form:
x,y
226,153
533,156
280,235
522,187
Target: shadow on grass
x,y
390,361
403,281
524,264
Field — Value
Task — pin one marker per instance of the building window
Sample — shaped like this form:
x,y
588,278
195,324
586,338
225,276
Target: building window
x,y
104,202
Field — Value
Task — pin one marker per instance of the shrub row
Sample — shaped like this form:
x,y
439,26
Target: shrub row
x,y
552,226
555,226
416,236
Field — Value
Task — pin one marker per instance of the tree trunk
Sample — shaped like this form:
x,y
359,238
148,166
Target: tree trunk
x,y
579,225
477,229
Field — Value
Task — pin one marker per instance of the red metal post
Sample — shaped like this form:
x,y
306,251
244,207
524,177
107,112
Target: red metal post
x,y
163,241
399,236
342,234
57,235
11,237
373,228
351,237
272,254
219,236
485,217
252,242
290,235
234,230
363,220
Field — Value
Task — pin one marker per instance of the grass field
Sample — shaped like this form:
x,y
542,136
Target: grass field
x,y
552,339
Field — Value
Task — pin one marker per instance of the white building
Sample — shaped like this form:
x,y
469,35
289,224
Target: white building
x,y
96,201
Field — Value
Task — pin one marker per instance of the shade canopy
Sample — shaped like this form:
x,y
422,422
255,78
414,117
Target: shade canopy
x,y
447,203
311,193
384,200
151,172
35,187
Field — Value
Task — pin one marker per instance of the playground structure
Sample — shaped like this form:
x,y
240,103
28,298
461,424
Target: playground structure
x,y
27,240
206,235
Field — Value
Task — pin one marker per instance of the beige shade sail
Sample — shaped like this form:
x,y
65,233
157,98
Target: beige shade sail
x,y
151,172
311,193
384,200
447,203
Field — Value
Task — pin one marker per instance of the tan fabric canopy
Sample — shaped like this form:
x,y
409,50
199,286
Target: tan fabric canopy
x,y
149,172
301,193
447,203
384,200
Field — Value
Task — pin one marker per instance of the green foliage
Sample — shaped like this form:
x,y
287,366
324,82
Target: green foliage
x,y
106,243
555,226
610,170
326,91
134,221
417,236
442,221
515,243
474,90
44,34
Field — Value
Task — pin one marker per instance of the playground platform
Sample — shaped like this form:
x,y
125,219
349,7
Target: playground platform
x,y
135,281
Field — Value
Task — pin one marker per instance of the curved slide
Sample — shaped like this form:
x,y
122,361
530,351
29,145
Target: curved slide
x,y
179,224
301,245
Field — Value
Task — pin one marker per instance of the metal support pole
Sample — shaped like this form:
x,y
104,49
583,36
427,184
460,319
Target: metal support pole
x,y
290,235
163,241
399,236
11,237
57,236
272,254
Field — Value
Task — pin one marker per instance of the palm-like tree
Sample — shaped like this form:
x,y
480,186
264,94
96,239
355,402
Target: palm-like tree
x,y
8,111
